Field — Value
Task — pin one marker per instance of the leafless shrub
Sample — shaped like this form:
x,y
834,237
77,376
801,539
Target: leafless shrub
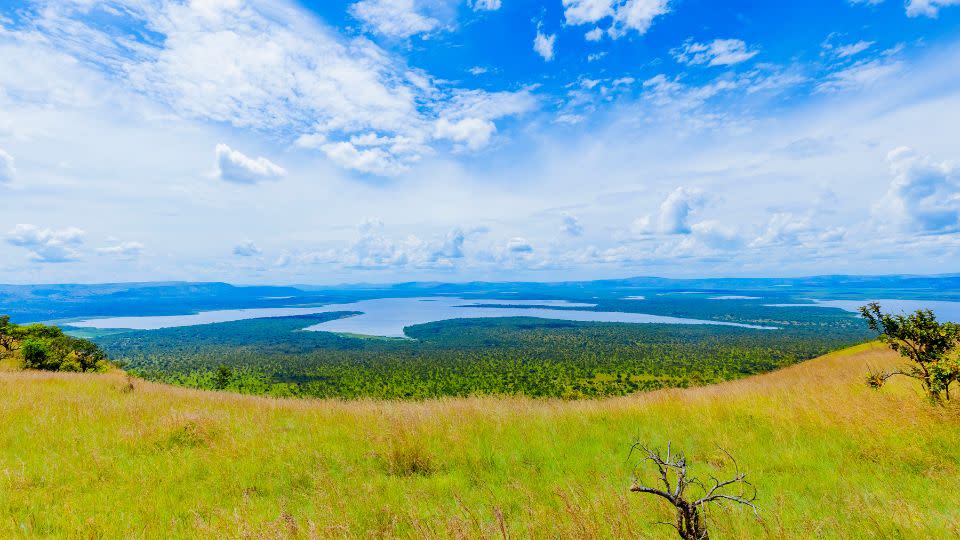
x,y
691,521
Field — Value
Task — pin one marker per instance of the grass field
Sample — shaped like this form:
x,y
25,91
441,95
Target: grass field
x,y
90,456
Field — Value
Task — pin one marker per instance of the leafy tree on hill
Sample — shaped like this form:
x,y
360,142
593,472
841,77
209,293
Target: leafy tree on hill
x,y
930,346
45,347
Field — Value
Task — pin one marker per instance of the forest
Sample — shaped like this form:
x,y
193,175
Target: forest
x,y
507,356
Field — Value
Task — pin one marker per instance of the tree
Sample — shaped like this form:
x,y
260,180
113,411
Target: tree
x,y
222,377
691,521
930,346
8,335
36,355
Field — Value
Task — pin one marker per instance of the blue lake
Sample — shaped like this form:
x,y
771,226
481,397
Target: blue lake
x,y
944,310
387,317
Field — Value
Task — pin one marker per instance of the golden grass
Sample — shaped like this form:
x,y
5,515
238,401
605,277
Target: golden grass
x,y
85,456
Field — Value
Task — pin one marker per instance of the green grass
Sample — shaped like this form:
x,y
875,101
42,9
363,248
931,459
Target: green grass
x,y
85,456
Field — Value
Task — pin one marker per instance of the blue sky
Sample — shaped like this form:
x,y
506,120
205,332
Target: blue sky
x,y
385,140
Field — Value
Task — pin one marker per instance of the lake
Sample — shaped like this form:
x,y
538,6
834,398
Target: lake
x,y
387,317
944,310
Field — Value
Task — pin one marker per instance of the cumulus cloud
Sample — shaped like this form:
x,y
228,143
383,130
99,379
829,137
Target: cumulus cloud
x,y
471,133
782,229
371,160
924,195
571,225
47,245
625,15
122,250
6,167
928,8
451,247
375,249
674,214
233,166
543,44
468,118
246,249
719,52
396,18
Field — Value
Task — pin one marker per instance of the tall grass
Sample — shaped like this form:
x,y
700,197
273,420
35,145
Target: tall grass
x,y
88,456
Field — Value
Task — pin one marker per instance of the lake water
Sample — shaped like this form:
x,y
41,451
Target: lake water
x,y
387,317
944,310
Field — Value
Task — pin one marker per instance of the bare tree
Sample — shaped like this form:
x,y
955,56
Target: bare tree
x,y
691,521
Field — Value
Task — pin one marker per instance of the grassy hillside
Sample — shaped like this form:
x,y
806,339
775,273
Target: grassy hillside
x,y
89,456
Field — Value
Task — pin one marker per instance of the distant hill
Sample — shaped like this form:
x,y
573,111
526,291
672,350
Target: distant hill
x,y
31,303
103,456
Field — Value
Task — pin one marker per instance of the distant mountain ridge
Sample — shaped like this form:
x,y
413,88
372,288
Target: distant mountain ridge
x,y
45,302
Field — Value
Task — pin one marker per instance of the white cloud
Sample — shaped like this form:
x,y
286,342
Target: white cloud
x,y
366,160
375,250
594,35
571,225
122,250
862,74
471,133
716,235
266,67
246,249
261,65
47,245
626,15
451,247
487,105
468,117
782,229
6,167
519,245
928,8
394,18
586,11
543,44
852,49
233,166
924,195
719,52
674,214
485,5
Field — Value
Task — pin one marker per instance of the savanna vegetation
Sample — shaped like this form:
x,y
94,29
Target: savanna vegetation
x,y
101,456
38,346
513,356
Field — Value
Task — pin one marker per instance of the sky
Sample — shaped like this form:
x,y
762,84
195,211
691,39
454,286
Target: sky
x,y
323,142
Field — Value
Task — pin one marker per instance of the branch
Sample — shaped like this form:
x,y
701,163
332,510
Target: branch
x,y
637,488
734,498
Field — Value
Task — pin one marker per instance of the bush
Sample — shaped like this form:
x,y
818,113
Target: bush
x,y
36,355
929,345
